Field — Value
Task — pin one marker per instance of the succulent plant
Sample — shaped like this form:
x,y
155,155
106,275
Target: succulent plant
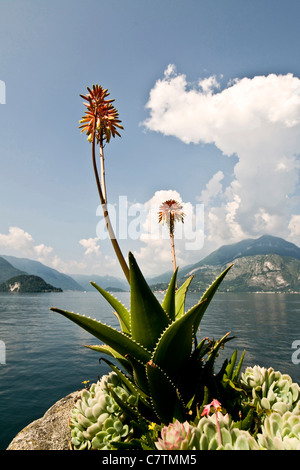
x,y
280,432
176,436
162,363
269,389
97,421
232,438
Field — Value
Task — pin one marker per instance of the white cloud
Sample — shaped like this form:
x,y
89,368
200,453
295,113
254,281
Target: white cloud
x,y
19,242
257,120
16,239
294,227
91,245
213,188
42,250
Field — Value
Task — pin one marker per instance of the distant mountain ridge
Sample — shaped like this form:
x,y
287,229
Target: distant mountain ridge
x,y
27,284
7,271
106,282
258,273
265,264
264,245
49,275
11,266
255,268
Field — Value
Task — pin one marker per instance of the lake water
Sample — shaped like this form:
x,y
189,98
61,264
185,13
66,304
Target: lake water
x,y
45,359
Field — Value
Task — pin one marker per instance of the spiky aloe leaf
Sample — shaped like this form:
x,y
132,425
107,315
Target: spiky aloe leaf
x,y
201,349
128,383
129,410
231,372
138,372
122,313
237,371
148,318
230,366
169,299
165,398
104,348
175,344
210,292
213,354
114,338
180,298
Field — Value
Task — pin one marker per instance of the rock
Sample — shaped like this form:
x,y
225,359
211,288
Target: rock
x,y
51,432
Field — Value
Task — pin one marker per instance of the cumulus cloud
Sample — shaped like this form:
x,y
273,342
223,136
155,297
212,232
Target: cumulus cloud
x,y
91,245
257,120
213,188
19,242
294,227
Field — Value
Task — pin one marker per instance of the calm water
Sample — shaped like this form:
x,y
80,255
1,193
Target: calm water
x,y
46,360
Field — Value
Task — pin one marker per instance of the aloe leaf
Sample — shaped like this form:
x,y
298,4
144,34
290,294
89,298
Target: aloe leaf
x,y
237,371
165,399
122,313
212,357
128,383
111,352
180,297
210,292
201,349
143,409
148,318
247,421
169,299
138,372
114,338
175,345
230,366
129,410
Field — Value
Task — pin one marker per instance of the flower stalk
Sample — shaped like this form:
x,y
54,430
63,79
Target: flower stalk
x,y
100,123
206,410
171,212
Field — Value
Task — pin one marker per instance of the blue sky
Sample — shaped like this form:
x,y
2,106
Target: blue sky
x,y
209,96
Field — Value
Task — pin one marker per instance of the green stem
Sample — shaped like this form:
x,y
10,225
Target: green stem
x,y
173,251
102,171
107,218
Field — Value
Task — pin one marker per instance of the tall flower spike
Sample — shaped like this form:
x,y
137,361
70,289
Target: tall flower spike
x,y
100,122
171,212
101,116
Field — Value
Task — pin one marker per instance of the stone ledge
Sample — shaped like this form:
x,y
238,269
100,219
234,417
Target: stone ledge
x,y
51,432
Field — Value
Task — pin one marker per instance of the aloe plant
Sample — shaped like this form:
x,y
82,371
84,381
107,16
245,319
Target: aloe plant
x,y
156,347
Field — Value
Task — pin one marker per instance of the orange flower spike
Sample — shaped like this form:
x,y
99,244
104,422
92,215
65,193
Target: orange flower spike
x,y
101,116
99,123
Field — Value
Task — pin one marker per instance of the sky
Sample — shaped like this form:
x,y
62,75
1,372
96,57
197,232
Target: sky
x,y
208,92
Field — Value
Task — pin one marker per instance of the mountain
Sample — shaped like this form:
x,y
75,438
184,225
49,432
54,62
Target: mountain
x,y
26,283
49,275
265,264
7,270
264,245
259,273
106,282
